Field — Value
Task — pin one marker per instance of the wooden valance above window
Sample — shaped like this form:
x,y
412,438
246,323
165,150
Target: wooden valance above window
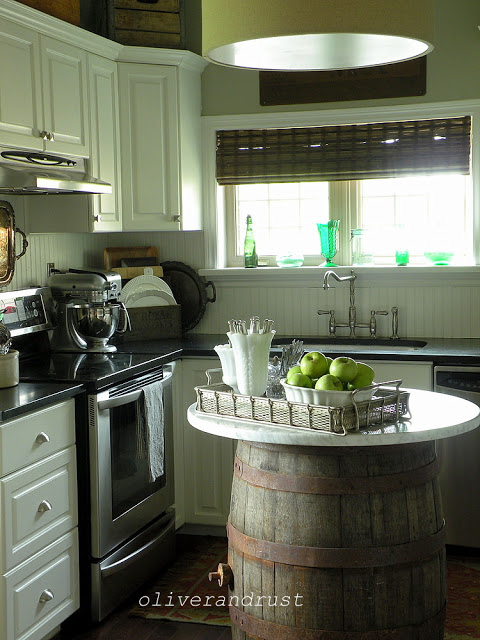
x,y
344,152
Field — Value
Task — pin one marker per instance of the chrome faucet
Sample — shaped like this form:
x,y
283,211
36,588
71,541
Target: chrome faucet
x,y
352,323
352,311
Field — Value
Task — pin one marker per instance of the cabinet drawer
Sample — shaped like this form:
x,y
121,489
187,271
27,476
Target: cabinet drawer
x,y
37,505
36,435
41,593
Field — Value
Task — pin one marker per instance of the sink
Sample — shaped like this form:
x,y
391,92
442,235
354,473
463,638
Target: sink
x,y
344,345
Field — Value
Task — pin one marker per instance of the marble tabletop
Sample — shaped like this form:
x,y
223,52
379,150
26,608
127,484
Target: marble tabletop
x,y
434,416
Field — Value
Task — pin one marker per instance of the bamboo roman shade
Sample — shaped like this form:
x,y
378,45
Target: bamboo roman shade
x,y
344,152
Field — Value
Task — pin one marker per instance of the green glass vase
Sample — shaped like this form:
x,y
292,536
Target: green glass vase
x,y
328,241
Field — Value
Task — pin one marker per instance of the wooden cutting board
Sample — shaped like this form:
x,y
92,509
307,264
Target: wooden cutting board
x,y
112,257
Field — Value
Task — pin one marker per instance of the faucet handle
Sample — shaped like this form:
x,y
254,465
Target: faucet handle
x,y
373,321
394,335
331,323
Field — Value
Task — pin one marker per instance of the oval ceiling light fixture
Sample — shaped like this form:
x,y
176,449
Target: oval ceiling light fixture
x,y
314,35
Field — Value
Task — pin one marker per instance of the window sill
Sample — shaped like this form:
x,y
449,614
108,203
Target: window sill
x,y
366,276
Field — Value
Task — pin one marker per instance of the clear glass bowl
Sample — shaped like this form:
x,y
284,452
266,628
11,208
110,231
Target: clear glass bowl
x,y
289,260
439,257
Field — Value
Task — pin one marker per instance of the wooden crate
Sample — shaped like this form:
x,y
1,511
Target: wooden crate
x,y
157,23
68,10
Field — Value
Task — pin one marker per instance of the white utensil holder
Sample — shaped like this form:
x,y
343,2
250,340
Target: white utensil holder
x,y
251,354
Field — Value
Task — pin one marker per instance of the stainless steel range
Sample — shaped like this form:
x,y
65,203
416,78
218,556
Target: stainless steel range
x,y
126,515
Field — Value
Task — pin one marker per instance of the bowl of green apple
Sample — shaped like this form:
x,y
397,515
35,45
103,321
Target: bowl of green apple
x,y
324,381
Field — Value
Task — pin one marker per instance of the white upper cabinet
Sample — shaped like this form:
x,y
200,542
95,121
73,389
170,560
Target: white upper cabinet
x,y
65,97
150,148
160,110
21,109
105,141
43,96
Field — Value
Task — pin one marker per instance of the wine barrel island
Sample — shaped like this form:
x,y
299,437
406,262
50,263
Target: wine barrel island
x,y
339,538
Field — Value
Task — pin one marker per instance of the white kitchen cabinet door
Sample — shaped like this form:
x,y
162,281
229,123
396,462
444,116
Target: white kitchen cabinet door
x,y
415,375
65,97
105,141
207,460
41,593
21,109
150,147
43,92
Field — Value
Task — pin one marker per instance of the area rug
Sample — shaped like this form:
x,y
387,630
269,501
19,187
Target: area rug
x,y
183,592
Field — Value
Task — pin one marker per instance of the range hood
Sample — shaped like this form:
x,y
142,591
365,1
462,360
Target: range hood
x,y
26,172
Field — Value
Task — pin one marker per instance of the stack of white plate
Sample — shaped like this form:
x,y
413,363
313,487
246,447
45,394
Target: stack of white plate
x,y
146,291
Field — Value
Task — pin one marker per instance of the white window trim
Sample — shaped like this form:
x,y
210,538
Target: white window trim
x,y
213,216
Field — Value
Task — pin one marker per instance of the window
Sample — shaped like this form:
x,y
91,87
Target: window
x,y
405,183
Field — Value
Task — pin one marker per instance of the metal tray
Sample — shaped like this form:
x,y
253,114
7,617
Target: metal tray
x,y
388,404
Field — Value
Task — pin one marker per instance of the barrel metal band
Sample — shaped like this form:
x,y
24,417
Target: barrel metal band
x,y
425,630
336,557
334,486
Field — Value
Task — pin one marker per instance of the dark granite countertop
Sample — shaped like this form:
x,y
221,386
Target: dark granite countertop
x,y
30,396
438,350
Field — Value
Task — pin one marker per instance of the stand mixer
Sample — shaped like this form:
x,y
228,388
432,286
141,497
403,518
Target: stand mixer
x,y
88,311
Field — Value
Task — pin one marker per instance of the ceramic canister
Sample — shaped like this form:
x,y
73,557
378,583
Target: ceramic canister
x,y
9,369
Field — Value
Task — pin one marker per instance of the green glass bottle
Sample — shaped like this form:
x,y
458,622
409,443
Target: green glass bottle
x,y
250,258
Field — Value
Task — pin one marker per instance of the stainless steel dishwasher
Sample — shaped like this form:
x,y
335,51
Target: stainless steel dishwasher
x,y
460,461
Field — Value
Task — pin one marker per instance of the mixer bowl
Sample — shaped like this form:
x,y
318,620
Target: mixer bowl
x,y
96,324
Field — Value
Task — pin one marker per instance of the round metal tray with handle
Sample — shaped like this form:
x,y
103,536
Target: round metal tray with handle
x,y
189,290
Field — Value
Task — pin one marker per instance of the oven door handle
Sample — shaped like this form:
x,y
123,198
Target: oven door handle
x,y
132,396
119,565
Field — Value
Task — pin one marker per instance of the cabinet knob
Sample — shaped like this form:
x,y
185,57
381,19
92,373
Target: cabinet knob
x,y
42,437
177,218
46,596
44,506
47,135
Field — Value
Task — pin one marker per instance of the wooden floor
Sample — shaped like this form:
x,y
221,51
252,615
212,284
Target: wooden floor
x,y
119,626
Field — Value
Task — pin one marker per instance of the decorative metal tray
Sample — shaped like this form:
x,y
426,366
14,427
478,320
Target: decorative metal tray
x,y
388,404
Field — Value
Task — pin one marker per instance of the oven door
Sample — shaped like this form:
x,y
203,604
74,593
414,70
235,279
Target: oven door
x,y
123,498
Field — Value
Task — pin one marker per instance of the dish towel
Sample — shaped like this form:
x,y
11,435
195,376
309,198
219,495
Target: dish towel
x,y
151,429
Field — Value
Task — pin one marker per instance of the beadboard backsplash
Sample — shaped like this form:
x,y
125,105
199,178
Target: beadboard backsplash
x,y
442,311
424,311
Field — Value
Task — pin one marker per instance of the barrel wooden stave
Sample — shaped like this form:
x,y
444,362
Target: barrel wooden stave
x,y
346,600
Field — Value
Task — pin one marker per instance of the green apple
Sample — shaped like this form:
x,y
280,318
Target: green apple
x,y
300,380
365,376
295,369
329,362
329,383
344,368
314,364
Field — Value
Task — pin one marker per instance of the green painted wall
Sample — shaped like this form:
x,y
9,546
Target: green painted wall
x,y
453,68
